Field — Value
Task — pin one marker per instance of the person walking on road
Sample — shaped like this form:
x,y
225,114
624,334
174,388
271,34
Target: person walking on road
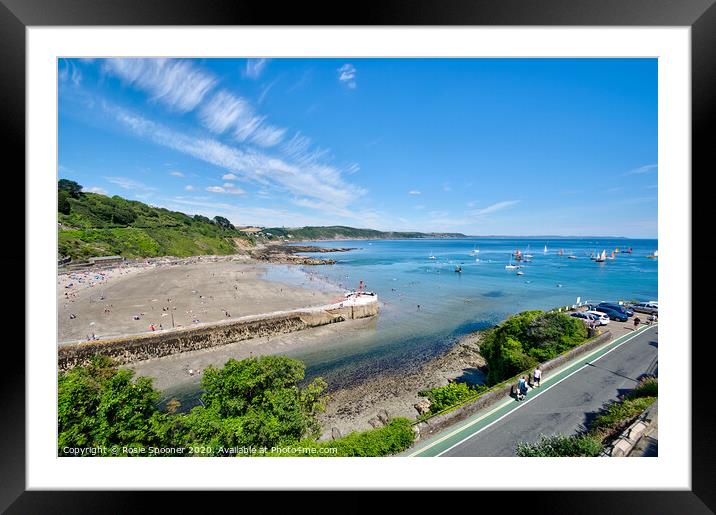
x,y
637,321
537,376
522,385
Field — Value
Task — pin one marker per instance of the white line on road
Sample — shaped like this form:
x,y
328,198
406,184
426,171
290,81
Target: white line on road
x,y
505,403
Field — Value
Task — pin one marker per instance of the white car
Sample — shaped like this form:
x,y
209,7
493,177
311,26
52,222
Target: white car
x,y
602,318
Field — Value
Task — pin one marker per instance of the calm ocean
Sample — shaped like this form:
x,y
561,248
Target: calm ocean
x,y
453,304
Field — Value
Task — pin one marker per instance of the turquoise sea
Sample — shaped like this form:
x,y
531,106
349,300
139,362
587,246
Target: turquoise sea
x,y
452,304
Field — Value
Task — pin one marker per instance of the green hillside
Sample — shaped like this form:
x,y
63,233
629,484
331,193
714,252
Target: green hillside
x,y
337,232
97,225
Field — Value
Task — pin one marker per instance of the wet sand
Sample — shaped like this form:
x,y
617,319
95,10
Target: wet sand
x,y
189,292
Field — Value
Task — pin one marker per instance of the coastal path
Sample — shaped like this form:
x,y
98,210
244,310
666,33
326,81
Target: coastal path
x,y
563,404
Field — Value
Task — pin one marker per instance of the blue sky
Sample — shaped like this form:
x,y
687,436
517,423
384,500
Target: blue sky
x,y
479,146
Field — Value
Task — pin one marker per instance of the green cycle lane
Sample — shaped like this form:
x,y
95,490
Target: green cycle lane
x,y
439,444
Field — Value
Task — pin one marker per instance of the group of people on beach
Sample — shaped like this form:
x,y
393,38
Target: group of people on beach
x,y
524,385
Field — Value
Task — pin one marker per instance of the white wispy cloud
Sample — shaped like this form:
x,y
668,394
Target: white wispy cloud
x,y
499,206
95,189
70,72
176,173
140,189
414,192
189,187
229,177
226,188
255,67
347,75
268,136
174,82
305,177
643,169
225,111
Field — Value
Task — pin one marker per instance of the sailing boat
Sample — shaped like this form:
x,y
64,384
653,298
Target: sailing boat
x,y
545,249
475,251
654,255
431,256
571,255
602,257
612,255
511,266
527,253
561,252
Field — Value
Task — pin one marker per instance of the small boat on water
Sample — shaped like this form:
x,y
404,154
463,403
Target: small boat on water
x,y
431,256
561,252
628,251
517,255
655,255
511,266
458,269
520,272
545,249
475,251
612,256
571,256
602,257
527,253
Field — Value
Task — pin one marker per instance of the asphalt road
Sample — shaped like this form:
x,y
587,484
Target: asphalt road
x,y
563,404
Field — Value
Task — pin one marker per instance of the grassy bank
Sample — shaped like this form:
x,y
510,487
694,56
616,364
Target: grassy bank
x,y
91,224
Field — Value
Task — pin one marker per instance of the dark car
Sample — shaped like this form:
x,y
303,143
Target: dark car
x,y
612,314
617,307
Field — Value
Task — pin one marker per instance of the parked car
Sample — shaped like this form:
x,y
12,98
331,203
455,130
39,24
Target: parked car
x,y
591,316
645,307
612,314
617,307
601,317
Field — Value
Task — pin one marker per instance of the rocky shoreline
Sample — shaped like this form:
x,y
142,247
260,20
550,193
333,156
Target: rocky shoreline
x,y
369,405
286,254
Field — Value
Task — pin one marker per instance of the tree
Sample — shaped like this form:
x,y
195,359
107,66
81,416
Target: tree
x,y
63,203
255,402
101,406
223,222
71,187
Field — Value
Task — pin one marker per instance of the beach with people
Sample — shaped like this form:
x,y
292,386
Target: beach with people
x,y
167,293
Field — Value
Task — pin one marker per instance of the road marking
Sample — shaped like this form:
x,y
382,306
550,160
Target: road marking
x,y
508,401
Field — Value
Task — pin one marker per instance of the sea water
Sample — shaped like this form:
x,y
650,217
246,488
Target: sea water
x,y
425,305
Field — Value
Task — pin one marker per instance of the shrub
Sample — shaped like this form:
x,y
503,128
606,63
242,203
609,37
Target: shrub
x,y
649,387
561,446
454,393
616,416
393,438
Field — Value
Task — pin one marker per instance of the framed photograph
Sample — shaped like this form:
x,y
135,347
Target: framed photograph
x,y
426,247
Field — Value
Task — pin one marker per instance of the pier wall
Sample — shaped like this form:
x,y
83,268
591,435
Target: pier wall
x,y
129,349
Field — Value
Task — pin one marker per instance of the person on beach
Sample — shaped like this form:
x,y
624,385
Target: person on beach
x,y
537,377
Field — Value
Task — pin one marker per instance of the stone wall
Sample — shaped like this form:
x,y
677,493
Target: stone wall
x,y
128,349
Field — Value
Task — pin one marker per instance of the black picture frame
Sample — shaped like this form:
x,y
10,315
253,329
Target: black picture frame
x,y
17,15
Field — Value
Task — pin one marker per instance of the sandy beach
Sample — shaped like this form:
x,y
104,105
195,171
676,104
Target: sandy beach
x,y
159,295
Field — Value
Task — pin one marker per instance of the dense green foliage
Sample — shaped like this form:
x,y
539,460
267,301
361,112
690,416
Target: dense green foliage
x,y
443,397
561,446
99,405
253,403
97,225
395,437
526,339
341,232
648,387
616,416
